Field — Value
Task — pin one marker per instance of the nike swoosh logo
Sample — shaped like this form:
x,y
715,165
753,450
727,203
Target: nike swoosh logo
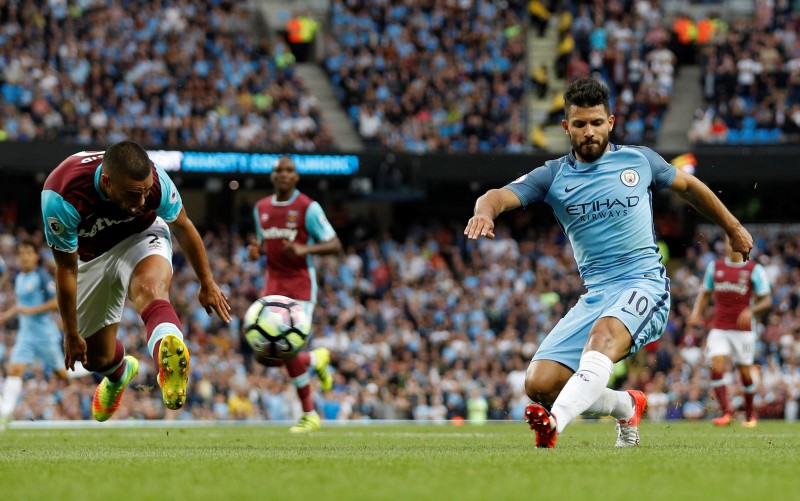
x,y
629,312
568,189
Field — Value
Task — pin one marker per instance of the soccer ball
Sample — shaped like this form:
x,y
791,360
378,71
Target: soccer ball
x,y
276,327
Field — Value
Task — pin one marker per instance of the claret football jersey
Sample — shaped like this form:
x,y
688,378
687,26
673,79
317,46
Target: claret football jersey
x,y
78,216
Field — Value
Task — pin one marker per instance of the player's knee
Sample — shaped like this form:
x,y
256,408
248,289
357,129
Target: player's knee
x,y
145,291
610,338
540,391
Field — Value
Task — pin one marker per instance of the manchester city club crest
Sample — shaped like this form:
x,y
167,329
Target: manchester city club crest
x,y
629,177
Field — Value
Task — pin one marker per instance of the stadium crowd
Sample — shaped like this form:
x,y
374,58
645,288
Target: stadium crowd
x,y
429,326
751,79
173,73
626,45
431,76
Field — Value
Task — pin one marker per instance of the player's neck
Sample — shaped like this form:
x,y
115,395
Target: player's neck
x,y
283,196
583,160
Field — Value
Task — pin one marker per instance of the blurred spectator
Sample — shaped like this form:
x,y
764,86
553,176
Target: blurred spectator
x,y
540,16
301,29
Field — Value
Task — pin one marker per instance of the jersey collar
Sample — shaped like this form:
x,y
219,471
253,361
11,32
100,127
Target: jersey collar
x,y
735,265
288,202
97,183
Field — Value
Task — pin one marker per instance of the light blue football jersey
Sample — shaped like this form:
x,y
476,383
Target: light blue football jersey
x,y
605,209
34,288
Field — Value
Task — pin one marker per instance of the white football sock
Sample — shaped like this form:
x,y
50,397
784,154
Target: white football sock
x,y
11,390
617,404
583,388
161,331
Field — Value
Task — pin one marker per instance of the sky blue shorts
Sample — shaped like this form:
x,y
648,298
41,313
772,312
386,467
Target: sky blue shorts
x,y
641,304
47,346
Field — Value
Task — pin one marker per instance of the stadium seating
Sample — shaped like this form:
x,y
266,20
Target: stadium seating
x,y
636,64
446,78
169,74
751,76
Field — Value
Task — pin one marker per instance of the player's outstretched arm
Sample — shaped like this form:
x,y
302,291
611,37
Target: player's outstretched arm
x,y
704,200
210,295
67,299
488,206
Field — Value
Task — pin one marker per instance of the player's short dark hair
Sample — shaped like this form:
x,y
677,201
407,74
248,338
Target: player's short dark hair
x,y
586,92
27,242
127,159
287,157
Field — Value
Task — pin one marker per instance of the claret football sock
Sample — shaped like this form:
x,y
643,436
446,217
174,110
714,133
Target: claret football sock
x,y
160,320
720,391
116,368
298,371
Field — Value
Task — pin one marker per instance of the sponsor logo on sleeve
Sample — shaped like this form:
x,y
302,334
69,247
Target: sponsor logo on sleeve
x,y
56,226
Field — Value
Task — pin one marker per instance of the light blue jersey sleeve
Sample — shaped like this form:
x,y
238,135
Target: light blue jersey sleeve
x,y
760,280
663,172
48,285
708,278
60,222
318,226
258,224
171,203
533,186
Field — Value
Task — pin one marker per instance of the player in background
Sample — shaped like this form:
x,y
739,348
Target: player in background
x,y
290,227
741,291
601,194
38,335
105,217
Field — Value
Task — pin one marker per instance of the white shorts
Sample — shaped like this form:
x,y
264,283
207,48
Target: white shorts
x,y
103,281
740,346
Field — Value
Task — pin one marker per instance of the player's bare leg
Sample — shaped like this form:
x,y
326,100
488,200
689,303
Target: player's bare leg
x,y
544,380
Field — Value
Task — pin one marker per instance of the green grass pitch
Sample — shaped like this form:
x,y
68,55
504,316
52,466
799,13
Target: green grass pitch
x,y
676,461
